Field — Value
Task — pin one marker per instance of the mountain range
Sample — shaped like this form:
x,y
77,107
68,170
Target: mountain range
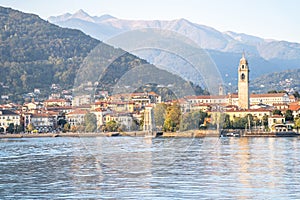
x,y
225,48
35,54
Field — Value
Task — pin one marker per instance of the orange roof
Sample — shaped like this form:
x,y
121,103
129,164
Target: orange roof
x,y
267,95
276,116
55,100
249,110
207,97
201,104
99,110
78,112
294,107
100,102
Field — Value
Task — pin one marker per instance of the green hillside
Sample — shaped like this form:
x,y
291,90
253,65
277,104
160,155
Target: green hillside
x,y
288,80
36,54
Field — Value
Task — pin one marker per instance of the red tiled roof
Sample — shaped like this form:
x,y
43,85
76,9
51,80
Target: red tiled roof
x,y
78,112
55,100
267,95
249,110
294,107
276,116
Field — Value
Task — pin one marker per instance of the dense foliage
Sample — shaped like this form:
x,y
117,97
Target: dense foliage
x,y
35,53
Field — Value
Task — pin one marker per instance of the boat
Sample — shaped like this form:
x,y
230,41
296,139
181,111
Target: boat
x,y
229,134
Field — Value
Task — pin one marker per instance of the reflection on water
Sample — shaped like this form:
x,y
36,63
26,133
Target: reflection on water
x,y
135,168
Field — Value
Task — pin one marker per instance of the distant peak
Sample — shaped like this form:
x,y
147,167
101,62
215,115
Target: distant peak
x,y
105,17
181,20
81,12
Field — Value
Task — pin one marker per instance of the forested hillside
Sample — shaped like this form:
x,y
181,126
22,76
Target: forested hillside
x,y
36,54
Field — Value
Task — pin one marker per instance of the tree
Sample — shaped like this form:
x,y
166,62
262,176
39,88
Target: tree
x,y
192,120
289,115
160,114
227,122
265,121
111,126
61,122
296,95
277,112
241,123
19,128
272,91
297,124
73,129
90,122
172,120
11,128
66,127
30,127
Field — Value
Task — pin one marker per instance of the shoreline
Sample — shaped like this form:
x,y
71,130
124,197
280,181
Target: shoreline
x,y
185,134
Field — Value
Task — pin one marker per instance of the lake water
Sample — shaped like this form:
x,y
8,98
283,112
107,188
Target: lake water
x,y
145,168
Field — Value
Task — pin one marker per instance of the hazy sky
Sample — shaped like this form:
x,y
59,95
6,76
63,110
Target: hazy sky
x,y
276,19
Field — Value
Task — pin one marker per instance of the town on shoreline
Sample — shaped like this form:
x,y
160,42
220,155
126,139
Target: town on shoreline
x,y
146,112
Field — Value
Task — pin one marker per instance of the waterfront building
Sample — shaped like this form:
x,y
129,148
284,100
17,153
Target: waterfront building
x,y
76,118
100,115
43,122
277,123
8,117
258,113
125,120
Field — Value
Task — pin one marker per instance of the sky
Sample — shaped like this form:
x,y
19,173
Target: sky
x,y
270,19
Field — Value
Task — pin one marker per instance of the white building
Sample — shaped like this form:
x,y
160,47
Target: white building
x,y
8,117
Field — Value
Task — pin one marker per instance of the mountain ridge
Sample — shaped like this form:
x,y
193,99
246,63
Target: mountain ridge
x,y
35,55
264,55
227,41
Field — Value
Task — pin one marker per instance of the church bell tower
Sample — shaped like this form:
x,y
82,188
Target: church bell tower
x,y
243,83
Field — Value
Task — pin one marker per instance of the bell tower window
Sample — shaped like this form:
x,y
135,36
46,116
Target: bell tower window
x,y
243,76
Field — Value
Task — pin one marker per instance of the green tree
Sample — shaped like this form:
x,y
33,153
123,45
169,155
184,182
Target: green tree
x,y
192,120
11,128
240,123
296,95
265,121
272,91
160,114
61,122
227,122
90,122
111,126
289,115
19,128
172,121
277,112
